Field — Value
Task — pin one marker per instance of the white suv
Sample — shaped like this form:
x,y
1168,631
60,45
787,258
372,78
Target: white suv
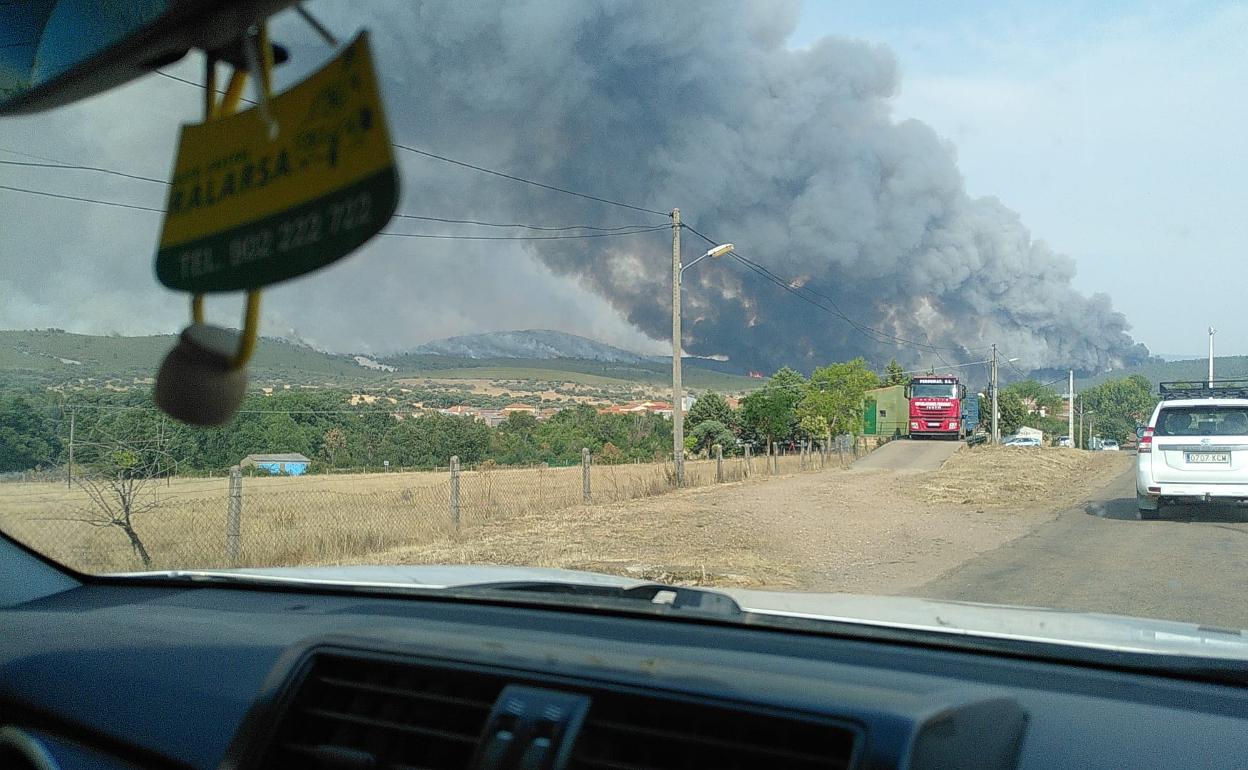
x,y
1195,448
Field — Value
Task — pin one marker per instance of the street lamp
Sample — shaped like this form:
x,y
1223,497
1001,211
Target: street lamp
x,y
678,405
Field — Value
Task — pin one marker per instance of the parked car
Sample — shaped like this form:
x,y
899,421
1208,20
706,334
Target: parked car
x,y
1065,441
1195,447
1021,441
1109,445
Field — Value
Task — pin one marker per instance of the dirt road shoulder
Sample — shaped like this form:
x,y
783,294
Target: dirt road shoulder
x,y
859,531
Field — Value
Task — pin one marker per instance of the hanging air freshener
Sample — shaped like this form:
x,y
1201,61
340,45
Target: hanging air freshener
x,y
261,196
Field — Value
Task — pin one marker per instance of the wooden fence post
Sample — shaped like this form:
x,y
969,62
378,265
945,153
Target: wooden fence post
x,y
455,491
719,464
749,464
585,490
234,517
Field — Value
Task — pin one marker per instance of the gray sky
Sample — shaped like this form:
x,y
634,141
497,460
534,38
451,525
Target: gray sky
x,y
1115,129
1112,132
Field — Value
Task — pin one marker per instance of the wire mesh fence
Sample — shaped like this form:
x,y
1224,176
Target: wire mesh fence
x,y
237,520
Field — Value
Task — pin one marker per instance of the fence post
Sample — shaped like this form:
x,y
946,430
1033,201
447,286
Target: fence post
x,y
719,464
749,464
234,516
455,491
585,491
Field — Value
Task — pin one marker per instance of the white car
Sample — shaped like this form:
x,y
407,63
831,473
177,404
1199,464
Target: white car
x,y
1193,449
1021,441
1109,445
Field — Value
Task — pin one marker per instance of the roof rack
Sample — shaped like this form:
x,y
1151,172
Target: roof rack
x,y
1203,389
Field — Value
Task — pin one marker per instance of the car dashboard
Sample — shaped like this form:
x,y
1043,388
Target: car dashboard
x,y
109,674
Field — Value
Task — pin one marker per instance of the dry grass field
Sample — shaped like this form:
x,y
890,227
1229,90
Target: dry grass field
x,y
325,518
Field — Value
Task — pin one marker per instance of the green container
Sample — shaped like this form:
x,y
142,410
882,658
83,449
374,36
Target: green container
x,y
886,412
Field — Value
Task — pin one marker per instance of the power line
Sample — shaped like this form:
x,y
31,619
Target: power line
x,y
520,237
528,227
872,333
57,164
162,73
604,232
522,180
75,167
475,167
801,291
29,155
83,200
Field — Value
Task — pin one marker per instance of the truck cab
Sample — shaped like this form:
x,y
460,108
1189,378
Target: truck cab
x,y
936,407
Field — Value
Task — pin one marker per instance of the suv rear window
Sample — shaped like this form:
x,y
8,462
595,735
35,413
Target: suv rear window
x,y
1202,421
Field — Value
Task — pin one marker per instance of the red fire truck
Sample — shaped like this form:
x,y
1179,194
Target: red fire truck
x,y
936,407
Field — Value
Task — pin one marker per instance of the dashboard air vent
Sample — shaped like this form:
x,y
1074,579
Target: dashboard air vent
x,y
628,732
373,712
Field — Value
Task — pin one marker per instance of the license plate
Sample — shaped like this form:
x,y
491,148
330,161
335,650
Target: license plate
x,y
1208,457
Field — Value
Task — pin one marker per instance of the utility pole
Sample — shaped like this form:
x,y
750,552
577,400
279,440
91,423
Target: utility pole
x,y
1070,409
678,412
1079,443
69,471
996,431
1212,331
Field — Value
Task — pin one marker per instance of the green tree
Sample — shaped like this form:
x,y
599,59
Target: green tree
x,y
1011,414
770,413
894,374
835,393
1043,396
711,432
1115,407
27,439
814,426
430,441
515,440
710,406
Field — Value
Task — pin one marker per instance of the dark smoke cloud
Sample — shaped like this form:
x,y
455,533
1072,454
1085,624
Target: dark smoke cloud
x,y
791,154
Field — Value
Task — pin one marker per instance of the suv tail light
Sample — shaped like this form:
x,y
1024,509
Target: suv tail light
x,y
1146,442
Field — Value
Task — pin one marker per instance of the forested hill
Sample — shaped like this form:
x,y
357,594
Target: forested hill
x,y
1224,368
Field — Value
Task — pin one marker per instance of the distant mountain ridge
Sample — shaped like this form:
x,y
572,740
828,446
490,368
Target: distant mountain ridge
x,y
539,344
54,358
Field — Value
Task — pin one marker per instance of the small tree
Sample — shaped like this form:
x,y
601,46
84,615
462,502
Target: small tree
x,y
119,487
814,426
710,406
709,433
894,374
335,445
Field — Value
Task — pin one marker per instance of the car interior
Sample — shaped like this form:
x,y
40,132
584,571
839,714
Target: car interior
x,y
109,673
196,671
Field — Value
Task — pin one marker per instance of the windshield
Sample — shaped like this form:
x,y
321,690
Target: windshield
x,y
849,197
933,390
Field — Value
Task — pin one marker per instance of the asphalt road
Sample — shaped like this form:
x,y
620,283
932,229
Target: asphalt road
x,y
1099,558
909,456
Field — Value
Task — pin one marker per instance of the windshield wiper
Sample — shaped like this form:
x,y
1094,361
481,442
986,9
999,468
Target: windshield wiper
x,y
660,596
685,599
